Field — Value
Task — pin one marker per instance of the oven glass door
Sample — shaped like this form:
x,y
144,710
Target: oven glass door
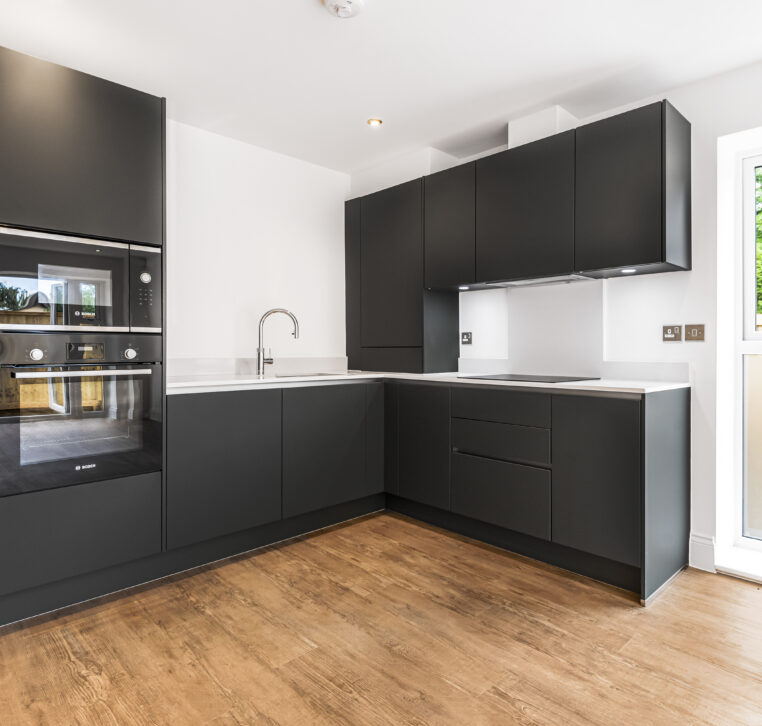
x,y
60,283
63,425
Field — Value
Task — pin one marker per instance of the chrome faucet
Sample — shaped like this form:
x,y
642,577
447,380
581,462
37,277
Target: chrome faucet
x,y
261,359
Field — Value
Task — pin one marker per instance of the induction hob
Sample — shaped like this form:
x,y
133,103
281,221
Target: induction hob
x,y
531,378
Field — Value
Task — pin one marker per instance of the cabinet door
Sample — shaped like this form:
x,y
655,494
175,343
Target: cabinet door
x,y
597,476
223,463
450,227
525,211
324,430
619,190
392,267
353,274
78,154
59,533
423,430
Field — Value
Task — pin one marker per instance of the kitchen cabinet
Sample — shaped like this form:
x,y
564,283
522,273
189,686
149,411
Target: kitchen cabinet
x,y
633,195
327,431
392,267
60,533
423,443
525,211
223,463
393,324
450,227
79,155
597,475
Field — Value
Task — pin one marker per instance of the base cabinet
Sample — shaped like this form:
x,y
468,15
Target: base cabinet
x,y
223,463
332,445
423,445
597,470
59,533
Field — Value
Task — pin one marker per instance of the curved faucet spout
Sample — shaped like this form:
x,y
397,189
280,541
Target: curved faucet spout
x,y
261,359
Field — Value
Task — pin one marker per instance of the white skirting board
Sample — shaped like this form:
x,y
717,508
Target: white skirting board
x,y
702,552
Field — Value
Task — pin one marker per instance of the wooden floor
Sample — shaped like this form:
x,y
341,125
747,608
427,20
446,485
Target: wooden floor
x,y
387,621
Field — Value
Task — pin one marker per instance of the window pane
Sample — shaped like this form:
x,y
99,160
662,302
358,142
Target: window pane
x,y
752,495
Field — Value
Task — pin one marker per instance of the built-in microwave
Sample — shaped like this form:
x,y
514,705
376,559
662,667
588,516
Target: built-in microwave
x,y
52,282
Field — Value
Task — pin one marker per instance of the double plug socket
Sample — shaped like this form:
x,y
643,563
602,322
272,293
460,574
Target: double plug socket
x,y
674,333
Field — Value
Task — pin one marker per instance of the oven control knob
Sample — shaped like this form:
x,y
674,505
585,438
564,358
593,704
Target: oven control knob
x,y
130,353
145,277
36,354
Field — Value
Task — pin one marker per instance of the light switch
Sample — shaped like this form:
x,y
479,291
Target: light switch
x,y
465,338
672,333
694,332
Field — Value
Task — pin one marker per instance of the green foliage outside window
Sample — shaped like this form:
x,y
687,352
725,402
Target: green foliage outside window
x,y
14,298
758,236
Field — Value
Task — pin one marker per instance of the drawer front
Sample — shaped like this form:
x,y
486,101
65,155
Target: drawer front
x,y
508,495
493,404
524,444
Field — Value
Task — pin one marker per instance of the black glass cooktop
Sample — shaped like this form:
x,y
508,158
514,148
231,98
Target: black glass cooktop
x,y
530,378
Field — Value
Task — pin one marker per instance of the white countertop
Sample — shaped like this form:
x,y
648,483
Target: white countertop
x,y
203,383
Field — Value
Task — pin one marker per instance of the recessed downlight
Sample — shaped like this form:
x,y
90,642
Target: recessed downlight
x,y
374,123
628,270
463,287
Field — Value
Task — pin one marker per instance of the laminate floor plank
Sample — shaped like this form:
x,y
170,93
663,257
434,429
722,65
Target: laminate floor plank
x,y
385,620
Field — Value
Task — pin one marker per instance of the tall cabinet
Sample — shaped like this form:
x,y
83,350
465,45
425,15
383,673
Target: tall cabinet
x,y
393,322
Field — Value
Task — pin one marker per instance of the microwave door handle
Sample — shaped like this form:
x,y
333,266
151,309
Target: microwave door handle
x,y
80,374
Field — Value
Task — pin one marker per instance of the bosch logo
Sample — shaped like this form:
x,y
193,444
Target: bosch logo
x,y
82,467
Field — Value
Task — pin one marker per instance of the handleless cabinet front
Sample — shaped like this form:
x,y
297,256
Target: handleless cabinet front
x,y
79,154
223,463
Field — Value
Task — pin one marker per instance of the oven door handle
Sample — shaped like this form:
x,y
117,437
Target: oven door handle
x,y
80,374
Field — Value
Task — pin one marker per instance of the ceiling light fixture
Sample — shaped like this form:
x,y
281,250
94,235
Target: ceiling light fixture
x,y
344,8
374,122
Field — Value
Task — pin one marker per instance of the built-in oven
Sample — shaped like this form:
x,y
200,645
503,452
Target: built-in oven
x,y
59,283
77,408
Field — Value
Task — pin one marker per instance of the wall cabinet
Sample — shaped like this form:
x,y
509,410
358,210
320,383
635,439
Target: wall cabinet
x,y
633,195
450,227
78,154
525,211
223,463
332,445
423,443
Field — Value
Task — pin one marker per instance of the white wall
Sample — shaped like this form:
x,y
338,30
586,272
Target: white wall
x,y
634,309
248,230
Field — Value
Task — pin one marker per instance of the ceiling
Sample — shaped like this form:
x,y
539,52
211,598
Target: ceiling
x,y
285,75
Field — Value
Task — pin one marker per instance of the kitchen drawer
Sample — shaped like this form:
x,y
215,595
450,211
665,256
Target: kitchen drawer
x,y
58,533
394,360
513,496
500,406
527,444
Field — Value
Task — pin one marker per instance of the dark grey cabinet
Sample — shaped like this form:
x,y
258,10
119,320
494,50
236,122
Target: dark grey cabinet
x,y
423,443
525,211
633,194
392,267
60,533
223,463
78,154
450,227
597,473
327,431
393,324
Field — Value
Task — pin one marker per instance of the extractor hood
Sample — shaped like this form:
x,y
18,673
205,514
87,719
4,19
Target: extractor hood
x,y
533,282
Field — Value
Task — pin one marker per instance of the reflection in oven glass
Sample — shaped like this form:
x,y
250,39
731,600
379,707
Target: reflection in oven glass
x,y
78,418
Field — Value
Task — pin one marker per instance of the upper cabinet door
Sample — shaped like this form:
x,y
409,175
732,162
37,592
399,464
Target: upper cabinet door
x,y
525,211
392,267
450,227
78,154
620,191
